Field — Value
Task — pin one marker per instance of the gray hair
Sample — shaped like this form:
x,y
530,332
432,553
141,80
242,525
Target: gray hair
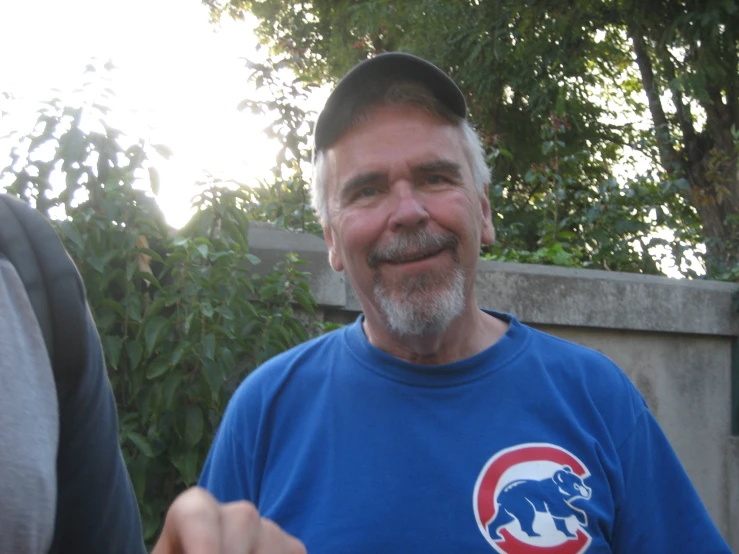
x,y
405,94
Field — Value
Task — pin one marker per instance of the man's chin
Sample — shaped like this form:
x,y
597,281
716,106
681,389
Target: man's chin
x,y
424,305
419,286
420,316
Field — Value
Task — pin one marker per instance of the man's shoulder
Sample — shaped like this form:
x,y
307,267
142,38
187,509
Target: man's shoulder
x,y
303,354
585,369
558,348
551,348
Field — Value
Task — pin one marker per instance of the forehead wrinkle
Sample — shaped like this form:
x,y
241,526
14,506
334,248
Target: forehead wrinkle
x,y
386,117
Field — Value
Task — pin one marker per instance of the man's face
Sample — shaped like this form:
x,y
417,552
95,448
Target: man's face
x,y
405,219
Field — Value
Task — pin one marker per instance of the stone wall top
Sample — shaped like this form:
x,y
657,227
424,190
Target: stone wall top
x,y
543,294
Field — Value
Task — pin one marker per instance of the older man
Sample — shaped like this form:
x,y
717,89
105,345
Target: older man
x,y
431,425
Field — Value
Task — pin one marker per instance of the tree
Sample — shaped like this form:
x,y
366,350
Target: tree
x,y
284,198
690,49
561,91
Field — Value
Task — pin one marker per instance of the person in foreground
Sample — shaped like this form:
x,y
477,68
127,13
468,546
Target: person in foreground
x,y
431,425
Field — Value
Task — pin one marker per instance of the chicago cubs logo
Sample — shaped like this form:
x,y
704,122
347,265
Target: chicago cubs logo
x,y
524,501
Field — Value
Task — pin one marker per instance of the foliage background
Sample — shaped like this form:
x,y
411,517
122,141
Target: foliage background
x,y
183,315
611,124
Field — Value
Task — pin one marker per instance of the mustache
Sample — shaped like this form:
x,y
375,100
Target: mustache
x,y
412,246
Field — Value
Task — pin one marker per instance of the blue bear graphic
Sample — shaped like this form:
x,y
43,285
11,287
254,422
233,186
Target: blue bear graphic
x,y
523,498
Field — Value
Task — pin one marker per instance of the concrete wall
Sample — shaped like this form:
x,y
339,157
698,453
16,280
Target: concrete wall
x,y
674,338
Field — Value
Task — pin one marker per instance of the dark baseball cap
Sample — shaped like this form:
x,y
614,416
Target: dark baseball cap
x,y
357,85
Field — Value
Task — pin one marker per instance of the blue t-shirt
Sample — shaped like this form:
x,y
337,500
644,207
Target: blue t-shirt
x,y
532,445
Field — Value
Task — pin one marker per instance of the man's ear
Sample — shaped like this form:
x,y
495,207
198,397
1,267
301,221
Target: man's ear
x,y
334,259
488,231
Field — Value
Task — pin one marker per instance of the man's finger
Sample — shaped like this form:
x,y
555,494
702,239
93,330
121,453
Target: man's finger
x,y
240,528
273,540
192,526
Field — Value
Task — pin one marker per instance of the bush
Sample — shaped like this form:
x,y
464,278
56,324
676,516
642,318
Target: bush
x,y
183,316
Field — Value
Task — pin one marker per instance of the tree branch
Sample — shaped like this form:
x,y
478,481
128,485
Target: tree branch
x,y
718,117
682,110
668,156
732,88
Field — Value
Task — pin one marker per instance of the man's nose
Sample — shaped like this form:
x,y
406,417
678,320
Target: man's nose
x,y
408,209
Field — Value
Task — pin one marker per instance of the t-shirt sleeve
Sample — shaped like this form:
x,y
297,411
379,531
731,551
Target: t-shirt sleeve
x,y
228,469
660,510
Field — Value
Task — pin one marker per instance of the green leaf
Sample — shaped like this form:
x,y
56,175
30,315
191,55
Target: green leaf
x,y
225,312
97,263
209,346
130,268
304,299
206,309
152,331
100,262
149,252
178,351
146,276
112,348
190,474
253,259
141,443
155,307
682,184
134,351
151,402
187,465
133,307
188,322
226,357
137,471
113,305
193,425
154,180
181,241
169,389
70,231
163,150
213,375
280,330
157,368
149,525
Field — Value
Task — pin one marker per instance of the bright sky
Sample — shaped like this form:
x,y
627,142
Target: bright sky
x,y
178,82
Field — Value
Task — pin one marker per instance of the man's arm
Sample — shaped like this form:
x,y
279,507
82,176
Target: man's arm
x,y
660,510
228,470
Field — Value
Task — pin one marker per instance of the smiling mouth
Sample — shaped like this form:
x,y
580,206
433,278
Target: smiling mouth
x,y
414,257
406,249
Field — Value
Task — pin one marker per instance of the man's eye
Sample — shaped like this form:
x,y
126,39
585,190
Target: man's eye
x,y
436,179
367,192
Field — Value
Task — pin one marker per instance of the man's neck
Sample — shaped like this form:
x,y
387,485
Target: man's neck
x,y
469,334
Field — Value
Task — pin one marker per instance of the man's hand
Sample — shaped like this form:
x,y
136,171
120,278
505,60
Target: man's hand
x,y
197,524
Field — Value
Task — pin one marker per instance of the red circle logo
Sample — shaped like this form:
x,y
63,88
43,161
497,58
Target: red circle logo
x,y
524,501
